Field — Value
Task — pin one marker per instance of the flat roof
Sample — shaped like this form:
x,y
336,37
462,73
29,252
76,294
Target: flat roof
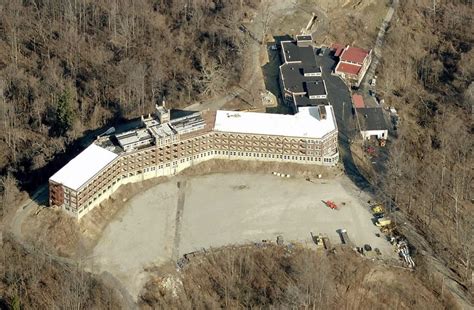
x,y
348,68
132,137
290,51
307,56
371,119
83,167
294,53
307,123
293,77
354,54
315,88
312,69
304,101
304,37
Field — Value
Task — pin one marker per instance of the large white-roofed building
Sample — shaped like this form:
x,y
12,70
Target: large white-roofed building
x,y
308,122
83,167
163,147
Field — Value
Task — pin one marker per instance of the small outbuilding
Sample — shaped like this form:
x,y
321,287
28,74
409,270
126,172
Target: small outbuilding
x,y
358,101
372,123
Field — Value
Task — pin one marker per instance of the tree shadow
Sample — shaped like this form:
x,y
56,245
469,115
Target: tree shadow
x,y
351,169
271,71
176,113
30,179
271,74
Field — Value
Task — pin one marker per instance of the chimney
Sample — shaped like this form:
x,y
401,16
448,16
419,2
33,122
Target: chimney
x,y
322,112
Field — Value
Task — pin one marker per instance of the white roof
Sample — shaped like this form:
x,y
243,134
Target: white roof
x,y
306,123
83,167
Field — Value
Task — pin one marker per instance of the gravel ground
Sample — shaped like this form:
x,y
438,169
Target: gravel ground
x,y
168,220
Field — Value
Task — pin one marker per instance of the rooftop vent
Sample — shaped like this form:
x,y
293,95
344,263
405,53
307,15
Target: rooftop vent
x,y
322,112
233,115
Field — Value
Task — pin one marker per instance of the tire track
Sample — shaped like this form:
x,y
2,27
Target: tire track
x,y
179,216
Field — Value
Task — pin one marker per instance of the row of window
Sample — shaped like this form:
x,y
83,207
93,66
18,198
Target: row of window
x,y
229,153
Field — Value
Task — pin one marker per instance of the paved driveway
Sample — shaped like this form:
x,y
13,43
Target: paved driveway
x,y
338,95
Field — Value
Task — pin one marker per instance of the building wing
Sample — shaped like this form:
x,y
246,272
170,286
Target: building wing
x,y
309,122
83,167
371,119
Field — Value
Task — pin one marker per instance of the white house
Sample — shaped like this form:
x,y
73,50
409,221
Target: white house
x,y
372,123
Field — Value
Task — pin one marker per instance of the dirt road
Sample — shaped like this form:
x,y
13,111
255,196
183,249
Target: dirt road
x,y
379,44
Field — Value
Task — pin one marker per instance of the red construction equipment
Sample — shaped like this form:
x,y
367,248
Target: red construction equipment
x,y
370,150
330,204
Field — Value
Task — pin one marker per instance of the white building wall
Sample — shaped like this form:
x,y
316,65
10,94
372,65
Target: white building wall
x,y
380,134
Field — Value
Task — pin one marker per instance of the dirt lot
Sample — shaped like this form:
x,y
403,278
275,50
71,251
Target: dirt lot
x,y
190,213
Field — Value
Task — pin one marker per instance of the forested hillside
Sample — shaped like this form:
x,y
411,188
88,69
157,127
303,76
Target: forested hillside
x,y
70,66
427,74
30,279
288,278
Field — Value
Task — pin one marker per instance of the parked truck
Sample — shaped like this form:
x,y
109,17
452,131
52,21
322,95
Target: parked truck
x,y
345,237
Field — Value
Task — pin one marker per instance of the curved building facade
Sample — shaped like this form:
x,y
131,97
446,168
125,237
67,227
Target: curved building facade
x,y
162,147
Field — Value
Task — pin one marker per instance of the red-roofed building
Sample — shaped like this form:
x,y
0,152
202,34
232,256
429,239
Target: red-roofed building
x,y
354,55
353,63
337,48
358,101
348,69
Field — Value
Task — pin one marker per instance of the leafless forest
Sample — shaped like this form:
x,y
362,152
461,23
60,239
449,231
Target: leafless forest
x,y
70,66
30,279
286,278
427,73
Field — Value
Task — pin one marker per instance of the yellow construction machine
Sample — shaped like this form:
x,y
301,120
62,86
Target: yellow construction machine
x,y
377,208
383,222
